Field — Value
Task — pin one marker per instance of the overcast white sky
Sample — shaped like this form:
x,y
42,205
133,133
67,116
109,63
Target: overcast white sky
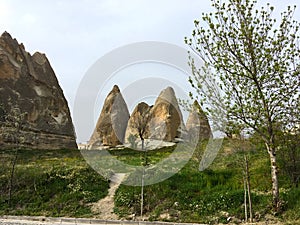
x,y
75,33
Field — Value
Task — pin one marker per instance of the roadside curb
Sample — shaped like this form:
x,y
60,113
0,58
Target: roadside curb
x,y
64,220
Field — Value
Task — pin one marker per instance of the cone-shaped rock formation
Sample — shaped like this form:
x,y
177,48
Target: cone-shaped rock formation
x,y
165,121
197,123
112,123
138,122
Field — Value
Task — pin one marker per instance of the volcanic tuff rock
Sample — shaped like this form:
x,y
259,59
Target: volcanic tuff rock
x,y
138,122
33,110
112,123
197,123
165,122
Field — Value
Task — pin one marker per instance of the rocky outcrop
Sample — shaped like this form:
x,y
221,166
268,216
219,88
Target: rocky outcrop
x,y
197,123
34,111
138,122
111,125
161,122
165,121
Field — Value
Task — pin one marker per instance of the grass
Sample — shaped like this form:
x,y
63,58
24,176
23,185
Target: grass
x,y
136,158
49,183
61,183
213,195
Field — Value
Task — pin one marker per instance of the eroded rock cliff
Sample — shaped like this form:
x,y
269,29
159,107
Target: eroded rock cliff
x,y
33,110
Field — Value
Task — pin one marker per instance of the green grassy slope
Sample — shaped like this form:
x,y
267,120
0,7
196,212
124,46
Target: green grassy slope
x,y
61,183
213,195
49,183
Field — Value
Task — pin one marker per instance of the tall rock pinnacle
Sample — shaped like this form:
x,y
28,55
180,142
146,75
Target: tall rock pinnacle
x,y
31,98
166,121
197,123
112,123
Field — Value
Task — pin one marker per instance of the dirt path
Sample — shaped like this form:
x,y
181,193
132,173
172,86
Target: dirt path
x,y
104,208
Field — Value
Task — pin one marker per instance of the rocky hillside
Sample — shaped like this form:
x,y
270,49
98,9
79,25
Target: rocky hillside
x,y
33,110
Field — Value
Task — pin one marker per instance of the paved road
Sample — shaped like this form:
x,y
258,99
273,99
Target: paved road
x,y
39,223
14,220
21,222
28,222
54,221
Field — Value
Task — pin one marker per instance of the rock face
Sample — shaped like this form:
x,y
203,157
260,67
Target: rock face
x,y
112,123
33,110
165,121
197,123
138,122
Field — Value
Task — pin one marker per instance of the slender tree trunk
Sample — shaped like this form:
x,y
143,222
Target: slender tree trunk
x,y
248,188
142,144
143,174
274,176
250,203
142,195
245,199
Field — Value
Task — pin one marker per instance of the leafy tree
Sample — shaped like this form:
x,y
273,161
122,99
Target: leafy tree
x,y
140,122
251,70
